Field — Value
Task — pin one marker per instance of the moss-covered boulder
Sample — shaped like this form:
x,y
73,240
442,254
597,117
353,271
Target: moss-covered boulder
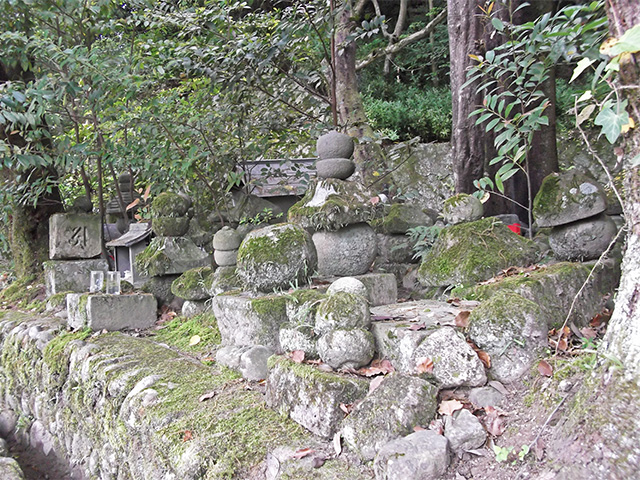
x,y
584,239
169,204
193,284
401,217
170,226
171,255
224,279
331,204
512,330
462,208
342,310
276,257
566,197
472,252
372,423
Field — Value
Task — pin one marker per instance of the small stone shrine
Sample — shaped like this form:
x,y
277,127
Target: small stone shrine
x,y
127,247
74,247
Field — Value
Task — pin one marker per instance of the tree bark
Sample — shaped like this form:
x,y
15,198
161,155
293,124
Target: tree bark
x,y
623,334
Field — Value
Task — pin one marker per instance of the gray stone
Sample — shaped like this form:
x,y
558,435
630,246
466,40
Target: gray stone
x,y
401,217
348,285
485,397
396,342
10,470
302,305
170,226
191,308
422,455
227,239
583,240
394,249
382,288
252,209
455,364
160,288
352,348
230,355
391,411
464,431
567,197
469,253
245,320
310,397
70,275
331,204
224,280
512,330
253,363
171,255
193,284
340,168
334,145
225,258
342,310
111,312
348,251
74,235
169,204
299,338
277,256
462,208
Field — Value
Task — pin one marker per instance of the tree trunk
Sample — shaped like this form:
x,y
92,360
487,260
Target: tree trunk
x,y
623,334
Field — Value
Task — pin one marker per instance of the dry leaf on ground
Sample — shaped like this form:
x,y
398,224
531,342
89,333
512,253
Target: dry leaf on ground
x,y
462,319
447,407
303,452
417,326
194,340
297,356
425,365
494,422
545,369
376,368
375,383
207,396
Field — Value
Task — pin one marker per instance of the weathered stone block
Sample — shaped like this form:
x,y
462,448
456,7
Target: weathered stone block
x,y
341,168
10,470
74,235
372,423
464,431
70,275
382,288
342,310
245,320
401,217
352,348
191,308
584,239
171,255
311,397
348,251
462,208
111,312
193,284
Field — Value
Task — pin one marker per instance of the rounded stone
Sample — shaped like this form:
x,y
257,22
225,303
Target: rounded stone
x,y
169,204
191,308
348,285
277,256
346,348
348,251
341,168
462,208
334,145
583,240
227,239
170,226
225,258
342,310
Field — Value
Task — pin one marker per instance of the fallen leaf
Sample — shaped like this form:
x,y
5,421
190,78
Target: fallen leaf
x,y
374,200
588,332
303,452
485,358
187,435
563,345
323,367
207,396
494,422
377,367
538,449
337,443
194,340
346,407
417,326
596,321
544,368
425,365
499,387
317,462
375,383
447,407
418,428
462,319
297,356
454,301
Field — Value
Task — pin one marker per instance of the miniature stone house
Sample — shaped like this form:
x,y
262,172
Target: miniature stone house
x,y
127,247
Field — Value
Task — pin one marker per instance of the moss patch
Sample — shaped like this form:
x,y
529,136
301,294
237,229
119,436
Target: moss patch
x,y
193,284
179,332
169,204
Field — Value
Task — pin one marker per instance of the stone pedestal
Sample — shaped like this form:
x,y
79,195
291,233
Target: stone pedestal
x,y
111,312
70,275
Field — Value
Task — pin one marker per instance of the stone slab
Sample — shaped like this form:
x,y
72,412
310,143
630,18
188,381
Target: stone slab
x,y
250,320
311,397
382,288
74,235
394,327
70,275
111,312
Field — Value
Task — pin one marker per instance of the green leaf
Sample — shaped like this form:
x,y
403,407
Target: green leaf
x,y
611,123
581,67
497,24
492,124
635,161
628,43
585,113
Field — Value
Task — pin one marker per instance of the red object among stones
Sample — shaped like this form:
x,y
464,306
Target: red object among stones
x,y
515,228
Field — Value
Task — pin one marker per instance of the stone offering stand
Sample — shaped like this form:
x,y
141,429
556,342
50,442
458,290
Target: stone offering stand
x,y
308,311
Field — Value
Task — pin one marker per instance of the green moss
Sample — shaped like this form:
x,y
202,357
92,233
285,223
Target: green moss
x,y
179,332
454,201
271,306
22,292
152,260
169,204
275,249
58,299
54,354
310,373
193,284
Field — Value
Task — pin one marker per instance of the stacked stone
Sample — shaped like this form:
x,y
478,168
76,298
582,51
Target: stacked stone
x,y
193,286
170,253
574,206
75,243
226,242
338,211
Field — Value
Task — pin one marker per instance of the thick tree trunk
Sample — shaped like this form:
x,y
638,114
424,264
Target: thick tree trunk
x,y
623,335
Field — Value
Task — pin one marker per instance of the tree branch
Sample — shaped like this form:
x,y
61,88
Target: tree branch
x,y
411,39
